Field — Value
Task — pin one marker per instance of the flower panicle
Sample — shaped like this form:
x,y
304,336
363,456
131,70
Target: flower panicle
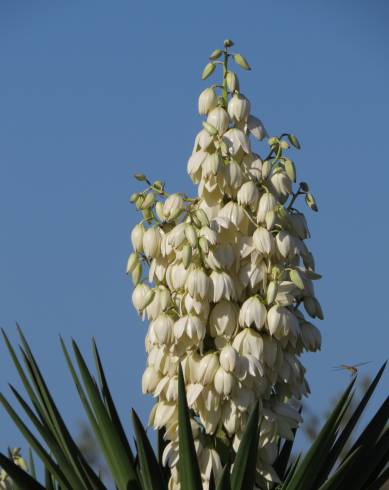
x,y
226,281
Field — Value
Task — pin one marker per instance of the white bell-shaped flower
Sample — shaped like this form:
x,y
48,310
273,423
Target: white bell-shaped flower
x,y
219,119
252,313
137,237
152,242
207,101
238,108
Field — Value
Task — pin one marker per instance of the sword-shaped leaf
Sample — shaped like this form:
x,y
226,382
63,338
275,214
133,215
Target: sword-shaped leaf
x,y
312,463
150,470
243,473
188,465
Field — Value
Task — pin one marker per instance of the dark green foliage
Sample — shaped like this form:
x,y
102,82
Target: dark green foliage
x,y
323,467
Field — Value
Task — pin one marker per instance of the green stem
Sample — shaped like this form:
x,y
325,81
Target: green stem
x,y
225,69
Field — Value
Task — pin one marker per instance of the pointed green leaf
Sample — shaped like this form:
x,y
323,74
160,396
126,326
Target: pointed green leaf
x,y
49,480
337,479
348,429
125,474
71,456
380,482
224,482
35,444
188,465
312,463
372,461
243,473
19,476
31,464
281,463
110,404
151,472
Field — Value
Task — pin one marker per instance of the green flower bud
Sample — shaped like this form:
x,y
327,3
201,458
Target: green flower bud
x,y
273,142
139,201
313,308
312,275
203,244
296,278
134,197
159,210
232,81
148,200
137,274
290,169
271,293
294,141
228,43
140,177
208,70
191,235
202,217
311,203
133,261
309,261
239,60
275,272
215,54
266,169
158,185
186,255
147,214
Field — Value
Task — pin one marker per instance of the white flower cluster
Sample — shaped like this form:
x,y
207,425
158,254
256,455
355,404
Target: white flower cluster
x,y
228,273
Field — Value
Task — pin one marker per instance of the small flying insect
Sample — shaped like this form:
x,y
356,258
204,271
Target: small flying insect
x,y
352,369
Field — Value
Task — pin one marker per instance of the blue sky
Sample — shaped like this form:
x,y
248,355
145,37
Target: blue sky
x,y
91,92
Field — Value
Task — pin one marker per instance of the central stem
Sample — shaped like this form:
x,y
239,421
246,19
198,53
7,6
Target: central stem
x,y
225,70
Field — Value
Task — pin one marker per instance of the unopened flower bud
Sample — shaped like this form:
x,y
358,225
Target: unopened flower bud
x,y
232,81
271,292
159,210
137,237
186,255
136,274
148,201
191,235
215,54
132,262
239,60
208,70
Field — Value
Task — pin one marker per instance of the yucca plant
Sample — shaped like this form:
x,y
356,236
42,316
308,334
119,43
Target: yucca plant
x,y
228,291
65,467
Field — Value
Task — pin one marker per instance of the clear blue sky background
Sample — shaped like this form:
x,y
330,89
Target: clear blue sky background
x,y
93,91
